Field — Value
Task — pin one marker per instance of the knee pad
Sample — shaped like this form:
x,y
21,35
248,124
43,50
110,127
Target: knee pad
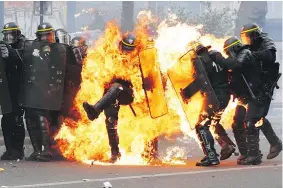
x,y
43,122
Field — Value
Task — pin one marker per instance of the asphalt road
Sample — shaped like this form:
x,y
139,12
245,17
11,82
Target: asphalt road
x,y
66,174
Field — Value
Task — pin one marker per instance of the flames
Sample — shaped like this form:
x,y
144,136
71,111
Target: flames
x,y
87,141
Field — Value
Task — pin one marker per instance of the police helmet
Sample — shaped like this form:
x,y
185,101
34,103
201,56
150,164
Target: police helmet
x,y
128,42
62,36
249,33
232,46
45,32
11,33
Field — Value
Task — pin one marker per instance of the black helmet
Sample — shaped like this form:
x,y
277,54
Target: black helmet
x,y
62,36
128,42
11,33
45,32
78,41
249,33
232,46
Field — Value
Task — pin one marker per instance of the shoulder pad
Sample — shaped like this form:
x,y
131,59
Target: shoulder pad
x,y
267,43
212,52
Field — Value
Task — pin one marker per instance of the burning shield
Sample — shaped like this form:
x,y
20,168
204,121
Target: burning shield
x,y
43,75
152,82
193,88
5,100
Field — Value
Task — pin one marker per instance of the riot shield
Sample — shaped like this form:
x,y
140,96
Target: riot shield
x,y
5,98
152,82
43,75
71,88
193,88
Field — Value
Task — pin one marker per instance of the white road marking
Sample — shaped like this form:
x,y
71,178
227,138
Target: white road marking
x,y
141,176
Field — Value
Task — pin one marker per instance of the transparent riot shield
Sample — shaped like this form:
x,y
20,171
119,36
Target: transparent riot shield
x,y
43,75
193,88
5,99
152,82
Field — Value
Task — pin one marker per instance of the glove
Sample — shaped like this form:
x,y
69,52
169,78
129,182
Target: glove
x,y
4,51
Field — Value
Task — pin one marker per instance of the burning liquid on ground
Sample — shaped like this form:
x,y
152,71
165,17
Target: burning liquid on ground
x,y
87,141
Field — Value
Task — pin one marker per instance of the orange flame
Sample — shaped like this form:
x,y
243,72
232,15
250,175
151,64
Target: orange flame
x,y
87,141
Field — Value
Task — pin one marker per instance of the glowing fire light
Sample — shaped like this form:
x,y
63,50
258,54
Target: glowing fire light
x,y
87,141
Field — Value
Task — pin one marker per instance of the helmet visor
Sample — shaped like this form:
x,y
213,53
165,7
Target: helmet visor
x,y
10,37
63,37
246,39
46,36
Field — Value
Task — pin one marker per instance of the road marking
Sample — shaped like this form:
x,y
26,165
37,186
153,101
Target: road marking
x,y
141,176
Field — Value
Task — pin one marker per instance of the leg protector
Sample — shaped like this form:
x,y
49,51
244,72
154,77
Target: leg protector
x,y
207,144
274,141
111,121
19,134
254,154
44,123
35,137
108,98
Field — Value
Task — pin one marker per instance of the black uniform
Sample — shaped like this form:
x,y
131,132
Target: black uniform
x,y
117,92
245,85
12,123
264,50
39,120
218,78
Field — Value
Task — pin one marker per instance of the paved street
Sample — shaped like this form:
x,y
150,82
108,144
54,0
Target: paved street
x,y
73,174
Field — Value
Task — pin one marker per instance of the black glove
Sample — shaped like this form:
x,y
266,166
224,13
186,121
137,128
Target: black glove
x,y
4,51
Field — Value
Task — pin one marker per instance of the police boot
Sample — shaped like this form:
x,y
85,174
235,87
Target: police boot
x,y
19,138
111,125
227,145
254,154
108,98
274,141
207,144
35,138
45,155
240,137
7,123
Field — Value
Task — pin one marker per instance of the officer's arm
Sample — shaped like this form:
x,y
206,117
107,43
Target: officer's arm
x,y
228,63
265,55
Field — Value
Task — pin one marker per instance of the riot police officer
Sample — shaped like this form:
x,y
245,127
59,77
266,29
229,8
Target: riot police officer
x,y
245,85
38,120
12,123
117,92
218,77
264,50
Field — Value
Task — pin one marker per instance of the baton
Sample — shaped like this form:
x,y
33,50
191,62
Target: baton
x,y
249,88
133,110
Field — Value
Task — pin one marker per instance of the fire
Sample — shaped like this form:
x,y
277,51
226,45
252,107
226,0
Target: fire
x,y
87,141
